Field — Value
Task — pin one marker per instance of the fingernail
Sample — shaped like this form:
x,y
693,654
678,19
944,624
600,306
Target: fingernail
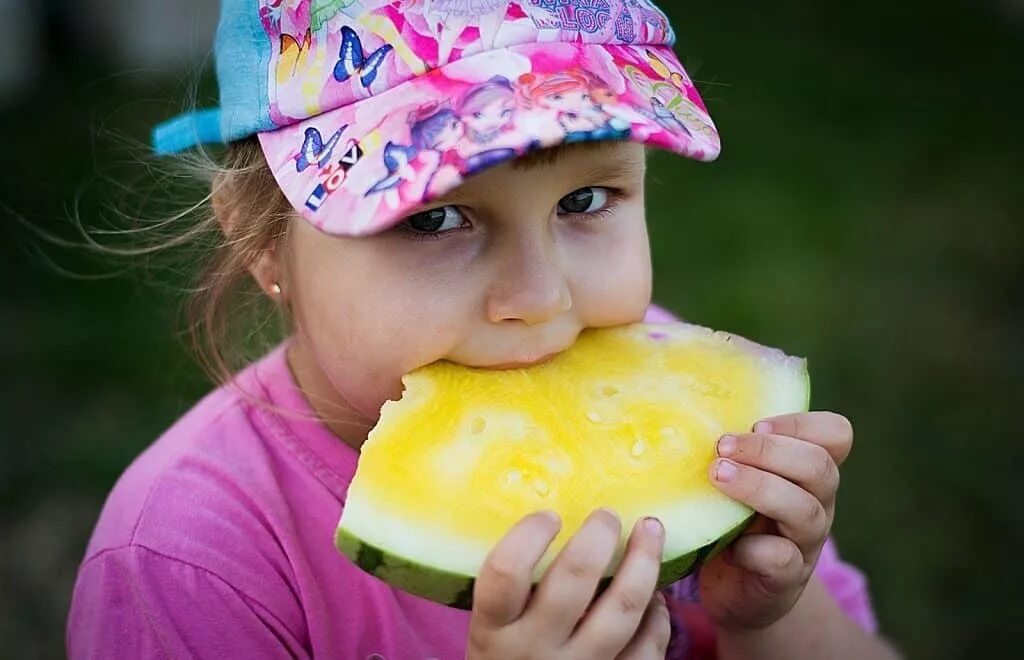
x,y
551,516
654,526
727,445
725,470
763,427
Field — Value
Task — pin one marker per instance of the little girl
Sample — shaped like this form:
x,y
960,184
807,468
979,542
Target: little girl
x,y
217,542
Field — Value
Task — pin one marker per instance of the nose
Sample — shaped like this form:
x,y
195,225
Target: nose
x,y
531,285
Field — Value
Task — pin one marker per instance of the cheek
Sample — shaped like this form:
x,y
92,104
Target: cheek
x,y
366,322
612,273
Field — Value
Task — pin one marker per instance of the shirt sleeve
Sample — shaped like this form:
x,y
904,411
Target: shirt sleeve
x,y
693,632
132,602
848,587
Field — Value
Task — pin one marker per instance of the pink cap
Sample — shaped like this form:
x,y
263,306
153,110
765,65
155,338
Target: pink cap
x,y
386,106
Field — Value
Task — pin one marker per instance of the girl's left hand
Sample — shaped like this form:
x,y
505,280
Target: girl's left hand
x,y
788,471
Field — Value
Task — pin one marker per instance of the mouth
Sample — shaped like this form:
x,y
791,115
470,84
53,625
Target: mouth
x,y
521,365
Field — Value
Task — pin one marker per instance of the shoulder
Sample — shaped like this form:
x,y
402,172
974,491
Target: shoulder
x,y
205,494
133,602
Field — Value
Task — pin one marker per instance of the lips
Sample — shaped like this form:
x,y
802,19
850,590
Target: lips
x,y
522,365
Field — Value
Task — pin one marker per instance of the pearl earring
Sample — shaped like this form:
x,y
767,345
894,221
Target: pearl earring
x,y
275,289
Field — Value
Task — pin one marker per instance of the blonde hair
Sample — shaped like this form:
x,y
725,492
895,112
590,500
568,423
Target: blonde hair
x,y
227,312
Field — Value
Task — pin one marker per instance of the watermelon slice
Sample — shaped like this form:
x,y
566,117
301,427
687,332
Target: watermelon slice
x,y
627,418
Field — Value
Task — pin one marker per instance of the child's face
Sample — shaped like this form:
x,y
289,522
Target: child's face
x,y
508,273
449,135
491,117
567,100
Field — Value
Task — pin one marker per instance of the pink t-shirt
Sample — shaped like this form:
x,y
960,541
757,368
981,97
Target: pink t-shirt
x,y
217,542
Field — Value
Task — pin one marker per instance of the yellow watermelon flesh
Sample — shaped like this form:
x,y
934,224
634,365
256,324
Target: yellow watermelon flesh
x,y
627,419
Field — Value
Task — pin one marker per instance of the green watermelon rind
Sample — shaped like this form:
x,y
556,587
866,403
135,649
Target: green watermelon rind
x,y
456,590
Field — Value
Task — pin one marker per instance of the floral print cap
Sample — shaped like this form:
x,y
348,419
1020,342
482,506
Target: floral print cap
x,y
369,109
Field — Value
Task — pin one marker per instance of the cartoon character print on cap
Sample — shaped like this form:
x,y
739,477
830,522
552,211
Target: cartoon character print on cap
x,y
329,53
450,18
436,155
447,144
489,113
622,21
431,161
577,101
669,95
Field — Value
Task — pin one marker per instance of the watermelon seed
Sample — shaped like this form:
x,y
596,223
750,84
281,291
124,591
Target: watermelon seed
x,y
541,487
513,477
479,425
609,390
668,432
594,417
638,448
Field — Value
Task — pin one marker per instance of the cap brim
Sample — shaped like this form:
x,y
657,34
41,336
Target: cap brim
x,y
360,169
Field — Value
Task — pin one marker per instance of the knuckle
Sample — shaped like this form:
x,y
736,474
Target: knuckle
x,y
479,640
499,573
757,484
580,566
787,556
798,426
813,515
762,446
628,603
824,469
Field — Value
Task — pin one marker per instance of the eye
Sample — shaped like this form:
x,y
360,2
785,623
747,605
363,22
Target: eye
x,y
435,221
585,200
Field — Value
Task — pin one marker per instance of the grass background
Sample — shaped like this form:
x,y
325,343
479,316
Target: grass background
x,y
867,213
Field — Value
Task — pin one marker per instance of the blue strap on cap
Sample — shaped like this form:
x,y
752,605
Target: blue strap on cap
x,y
187,130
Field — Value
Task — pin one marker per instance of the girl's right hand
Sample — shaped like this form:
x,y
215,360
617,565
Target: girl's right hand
x,y
559,619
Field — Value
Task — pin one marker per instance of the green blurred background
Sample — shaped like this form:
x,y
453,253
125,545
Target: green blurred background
x,y
867,213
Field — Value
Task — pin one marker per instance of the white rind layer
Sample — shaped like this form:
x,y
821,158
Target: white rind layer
x,y
689,526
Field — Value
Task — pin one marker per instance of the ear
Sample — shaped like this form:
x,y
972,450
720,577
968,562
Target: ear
x,y
266,268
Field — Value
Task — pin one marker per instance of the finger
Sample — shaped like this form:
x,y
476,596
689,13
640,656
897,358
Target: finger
x,y
806,464
776,560
828,429
569,584
506,577
614,618
652,638
799,515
